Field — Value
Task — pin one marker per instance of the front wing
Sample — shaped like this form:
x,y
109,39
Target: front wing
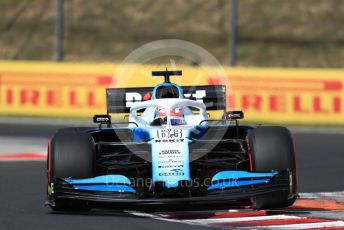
x,y
64,190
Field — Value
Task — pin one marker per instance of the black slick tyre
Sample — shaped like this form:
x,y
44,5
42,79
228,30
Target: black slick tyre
x,y
271,148
72,155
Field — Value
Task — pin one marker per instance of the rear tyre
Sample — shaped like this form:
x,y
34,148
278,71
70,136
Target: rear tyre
x,y
271,148
72,155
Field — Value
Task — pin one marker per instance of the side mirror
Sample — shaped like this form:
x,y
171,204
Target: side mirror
x,y
234,115
102,119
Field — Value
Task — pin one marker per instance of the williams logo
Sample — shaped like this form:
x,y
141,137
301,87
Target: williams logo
x,y
176,170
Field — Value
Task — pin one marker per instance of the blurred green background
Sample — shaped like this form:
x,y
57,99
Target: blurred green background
x,y
287,33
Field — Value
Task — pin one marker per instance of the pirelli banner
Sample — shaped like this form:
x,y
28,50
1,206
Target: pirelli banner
x,y
296,96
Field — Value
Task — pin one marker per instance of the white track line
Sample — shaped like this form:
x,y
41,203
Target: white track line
x,y
208,222
301,226
152,216
242,219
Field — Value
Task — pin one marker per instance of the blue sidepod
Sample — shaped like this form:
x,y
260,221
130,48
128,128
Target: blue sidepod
x,y
140,134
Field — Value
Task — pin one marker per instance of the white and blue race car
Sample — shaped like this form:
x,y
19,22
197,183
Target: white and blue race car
x,y
169,153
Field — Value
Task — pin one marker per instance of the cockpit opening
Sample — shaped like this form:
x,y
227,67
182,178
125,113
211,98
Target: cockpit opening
x,y
167,92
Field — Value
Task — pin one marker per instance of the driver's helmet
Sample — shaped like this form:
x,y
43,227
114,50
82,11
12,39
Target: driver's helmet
x,y
176,112
177,116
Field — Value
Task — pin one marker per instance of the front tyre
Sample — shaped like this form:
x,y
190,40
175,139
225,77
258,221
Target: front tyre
x,y
271,148
72,154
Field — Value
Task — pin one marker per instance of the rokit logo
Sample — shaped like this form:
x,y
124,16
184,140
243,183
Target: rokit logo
x,y
120,100
198,95
133,97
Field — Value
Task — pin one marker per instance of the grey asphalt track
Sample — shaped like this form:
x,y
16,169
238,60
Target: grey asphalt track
x,y
23,194
320,160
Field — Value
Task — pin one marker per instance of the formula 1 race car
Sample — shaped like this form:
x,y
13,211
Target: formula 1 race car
x,y
168,152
